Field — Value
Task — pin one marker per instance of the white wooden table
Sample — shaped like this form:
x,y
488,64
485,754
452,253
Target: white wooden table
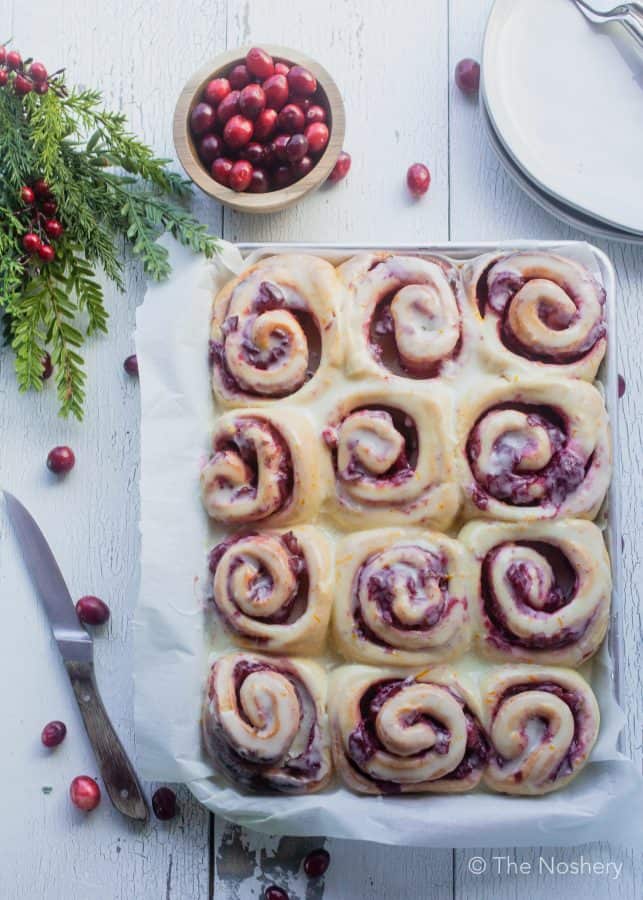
x,y
394,63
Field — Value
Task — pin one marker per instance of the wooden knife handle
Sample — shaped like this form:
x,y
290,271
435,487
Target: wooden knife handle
x,y
117,771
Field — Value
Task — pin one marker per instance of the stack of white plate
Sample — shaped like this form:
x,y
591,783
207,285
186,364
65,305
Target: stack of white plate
x,y
562,101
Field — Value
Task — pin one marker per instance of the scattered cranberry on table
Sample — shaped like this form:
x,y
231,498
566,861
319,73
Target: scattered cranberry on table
x,y
130,364
53,733
467,76
341,167
164,803
316,863
418,179
92,610
621,386
61,460
272,892
84,793
262,116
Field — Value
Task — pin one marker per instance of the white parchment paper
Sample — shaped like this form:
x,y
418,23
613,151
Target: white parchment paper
x,y
173,644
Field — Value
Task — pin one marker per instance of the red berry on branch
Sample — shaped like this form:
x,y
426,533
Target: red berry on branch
x,y
131,365
92,610
341,168
467,76
31,242
84,793
259,63
47,367
4,77
239,77
240,175
220,170
41,88
27,195
3,54
14,60
216,90
53,734
22,85
301,81
61,460
41,189
49,208
317,136
418,179
164,803
54,228
46,252
38,72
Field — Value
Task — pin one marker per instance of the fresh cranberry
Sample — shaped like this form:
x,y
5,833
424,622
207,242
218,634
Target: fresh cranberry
x,y
418,179
621,386
259,183
14,60
27,195
164,803
41,88
228,107
216,90
259,63
38,72
301,168
46,252
296,148
254,152
282,177
92,610
47,366
265,123
130,364
4,77
22,85
61,460
291,118
240,175
467,76
252,100
269,158
53,733
41,189
316,863
210,147
239,77
3,54
84,793
31,242
279,144
220,170
276,91
272,892
317,136
237,132
281,68
202,118
341,167
315,113
54,228
301,81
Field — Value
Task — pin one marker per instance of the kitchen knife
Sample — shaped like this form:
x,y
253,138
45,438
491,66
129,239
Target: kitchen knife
x,y
77,650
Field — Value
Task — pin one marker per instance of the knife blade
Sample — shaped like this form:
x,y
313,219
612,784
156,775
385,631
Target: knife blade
x,y
76,648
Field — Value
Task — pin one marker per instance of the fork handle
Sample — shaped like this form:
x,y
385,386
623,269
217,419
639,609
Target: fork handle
x,y
117,771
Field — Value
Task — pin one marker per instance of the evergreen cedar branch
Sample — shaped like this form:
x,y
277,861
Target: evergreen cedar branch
x,y
110,190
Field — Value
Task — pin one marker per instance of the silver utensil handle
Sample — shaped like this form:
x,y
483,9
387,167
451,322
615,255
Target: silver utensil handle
x,y
117,771
634,25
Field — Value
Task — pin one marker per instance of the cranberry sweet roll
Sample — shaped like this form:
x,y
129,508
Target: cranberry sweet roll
x,y
544,590
542,724
538,309
395,733
273,589
263,468
402,597
404,317
389,460
275,331
534,449
265,723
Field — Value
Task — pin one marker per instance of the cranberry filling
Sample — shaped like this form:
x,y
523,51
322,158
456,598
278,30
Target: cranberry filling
x,y
574,701
246,449
405,463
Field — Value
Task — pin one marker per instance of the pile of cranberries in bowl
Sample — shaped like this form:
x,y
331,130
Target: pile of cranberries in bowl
x,y
262,126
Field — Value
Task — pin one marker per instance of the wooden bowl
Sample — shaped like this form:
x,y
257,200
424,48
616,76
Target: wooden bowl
x,y
271,201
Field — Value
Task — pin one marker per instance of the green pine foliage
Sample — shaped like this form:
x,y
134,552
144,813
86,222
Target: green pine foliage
x,y
110,191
